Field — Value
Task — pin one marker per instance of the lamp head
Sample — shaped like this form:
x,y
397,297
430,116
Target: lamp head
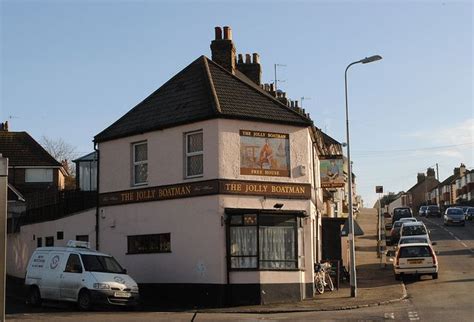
x,y
370,59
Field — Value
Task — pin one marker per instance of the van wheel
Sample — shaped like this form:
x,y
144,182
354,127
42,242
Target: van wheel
x,y
435,276
34,296
84,301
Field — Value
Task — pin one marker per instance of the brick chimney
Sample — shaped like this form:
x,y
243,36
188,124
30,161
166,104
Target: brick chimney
x,y
250,67
430,172
4,126
462,169
223,49
420,177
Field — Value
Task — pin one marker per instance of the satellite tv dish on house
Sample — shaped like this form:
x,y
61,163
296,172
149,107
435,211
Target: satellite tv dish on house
x,y
357,230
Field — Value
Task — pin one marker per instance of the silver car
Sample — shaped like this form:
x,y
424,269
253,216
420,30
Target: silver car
x,y
454,216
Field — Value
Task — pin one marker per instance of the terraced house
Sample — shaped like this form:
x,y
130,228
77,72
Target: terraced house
x,y
209,188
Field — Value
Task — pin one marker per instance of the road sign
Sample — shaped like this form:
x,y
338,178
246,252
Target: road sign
x,y
379,189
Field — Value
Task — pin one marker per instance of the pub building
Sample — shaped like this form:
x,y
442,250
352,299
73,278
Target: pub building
x,y
207,188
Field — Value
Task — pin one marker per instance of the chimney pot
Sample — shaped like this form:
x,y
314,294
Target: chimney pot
x,y
218,32
296,104
240,60
227,33
247,59
272,87
292,104
256,58
4,126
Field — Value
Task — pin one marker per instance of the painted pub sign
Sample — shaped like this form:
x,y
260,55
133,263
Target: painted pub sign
x,y
331,169
264,153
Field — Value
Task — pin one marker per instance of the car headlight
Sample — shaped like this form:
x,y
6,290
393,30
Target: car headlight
x,y
101,286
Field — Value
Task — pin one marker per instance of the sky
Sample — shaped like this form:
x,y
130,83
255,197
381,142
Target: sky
x,y
69,69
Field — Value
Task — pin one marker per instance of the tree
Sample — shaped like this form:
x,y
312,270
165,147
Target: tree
x,y
61,151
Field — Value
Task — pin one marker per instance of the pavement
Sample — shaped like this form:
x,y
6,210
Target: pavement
x,y
376,284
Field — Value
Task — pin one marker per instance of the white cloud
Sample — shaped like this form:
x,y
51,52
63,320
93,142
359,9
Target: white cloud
x,y
461,133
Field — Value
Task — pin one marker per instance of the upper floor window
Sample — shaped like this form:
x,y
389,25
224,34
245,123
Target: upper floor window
x,y
38,175
140,163
194,154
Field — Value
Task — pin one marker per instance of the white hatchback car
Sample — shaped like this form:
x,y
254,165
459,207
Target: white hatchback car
x,y
415,259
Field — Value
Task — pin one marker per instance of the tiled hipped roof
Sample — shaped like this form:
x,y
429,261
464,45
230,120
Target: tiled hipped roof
x,y
22,150
203,90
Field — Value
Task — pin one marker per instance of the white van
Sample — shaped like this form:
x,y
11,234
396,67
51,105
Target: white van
x,y
78,274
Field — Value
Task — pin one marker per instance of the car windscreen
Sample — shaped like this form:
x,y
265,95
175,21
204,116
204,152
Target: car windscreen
x,y
402,211
415,251
413,230
397,224
455,211
104,264
413,240
433,208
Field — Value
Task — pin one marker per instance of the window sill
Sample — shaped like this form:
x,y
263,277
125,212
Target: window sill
x,y
145,253
194,177
140,184
265,270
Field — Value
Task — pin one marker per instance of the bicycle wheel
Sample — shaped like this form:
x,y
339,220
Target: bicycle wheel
x,y
329,282
319,283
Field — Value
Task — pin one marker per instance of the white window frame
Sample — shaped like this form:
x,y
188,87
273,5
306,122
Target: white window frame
x,y
135,163
190,154
39,175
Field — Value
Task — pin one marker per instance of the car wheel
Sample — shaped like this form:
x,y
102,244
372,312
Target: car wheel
x,y
435,276
34,296
398,277
84,300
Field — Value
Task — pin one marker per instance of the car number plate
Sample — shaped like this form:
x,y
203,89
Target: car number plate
x,y
415,261
123,294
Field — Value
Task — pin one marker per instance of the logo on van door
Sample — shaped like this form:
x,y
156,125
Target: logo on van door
x,y
54,262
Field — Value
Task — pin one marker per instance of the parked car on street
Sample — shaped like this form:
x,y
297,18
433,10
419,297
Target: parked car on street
x,y
387,220
422,211
394,233
454,216
415,259
433,211
413,229
78,274
415,240
469,213
401,212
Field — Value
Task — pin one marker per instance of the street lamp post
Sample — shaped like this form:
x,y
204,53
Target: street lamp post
x,y
353,280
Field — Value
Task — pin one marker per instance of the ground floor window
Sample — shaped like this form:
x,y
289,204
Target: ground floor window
x,y
84,238
263,241
49,241
155,243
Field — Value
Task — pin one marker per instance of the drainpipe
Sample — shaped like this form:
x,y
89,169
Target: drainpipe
x,y
315,202
97,201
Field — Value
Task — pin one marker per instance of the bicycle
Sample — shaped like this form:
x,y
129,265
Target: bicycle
x,y
322,277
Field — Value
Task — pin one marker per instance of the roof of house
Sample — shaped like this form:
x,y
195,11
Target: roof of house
x,y
421,182
202,90
22,150
88,157
449,180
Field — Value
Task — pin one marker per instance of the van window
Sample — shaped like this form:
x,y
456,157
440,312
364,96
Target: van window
x,y
97,263
73,264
